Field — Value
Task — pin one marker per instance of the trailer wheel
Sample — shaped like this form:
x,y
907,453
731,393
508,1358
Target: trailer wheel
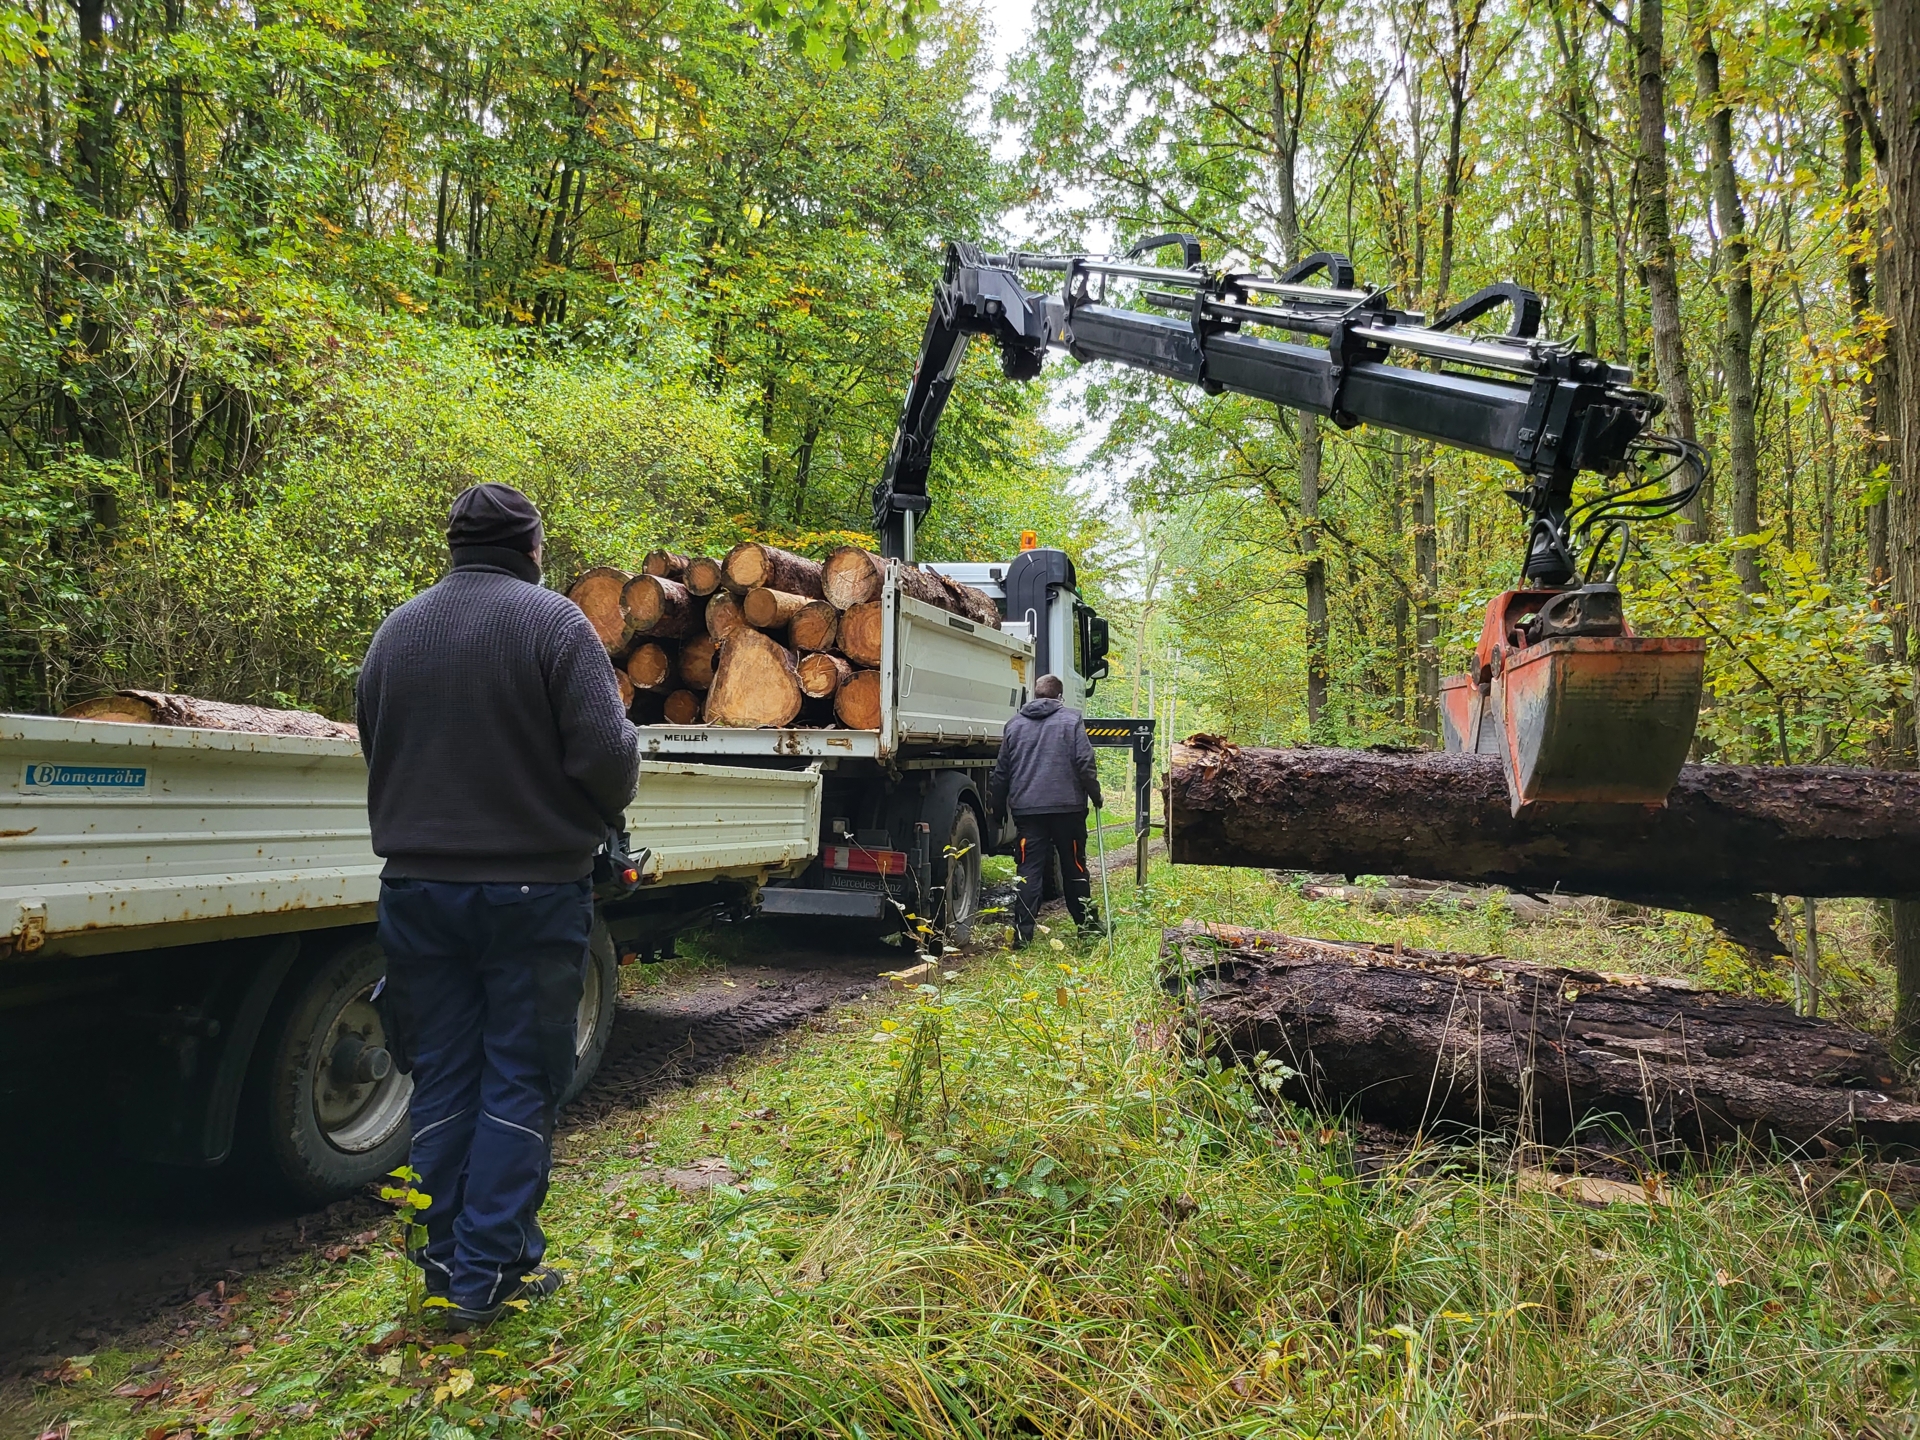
x,y
962,903
599,998
336,1109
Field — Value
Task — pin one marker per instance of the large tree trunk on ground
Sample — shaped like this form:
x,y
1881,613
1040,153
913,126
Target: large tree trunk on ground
x,y
152,707
1417,1038
852,576
754,685
597,592
816,626
697,659
1727,832
703,576
659,607
772,609
822,675
753,566
857,702
862,629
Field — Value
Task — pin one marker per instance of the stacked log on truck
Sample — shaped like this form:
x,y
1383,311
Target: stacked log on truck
x,y
759,638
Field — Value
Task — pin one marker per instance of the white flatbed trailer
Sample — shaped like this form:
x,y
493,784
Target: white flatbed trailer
x,y
218,889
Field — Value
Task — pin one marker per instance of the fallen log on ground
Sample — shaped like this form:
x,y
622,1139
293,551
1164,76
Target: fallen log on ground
x,y
1417,1038
154,707
1727,834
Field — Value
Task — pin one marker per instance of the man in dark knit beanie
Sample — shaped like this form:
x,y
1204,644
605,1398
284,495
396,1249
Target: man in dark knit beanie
x,y
498,757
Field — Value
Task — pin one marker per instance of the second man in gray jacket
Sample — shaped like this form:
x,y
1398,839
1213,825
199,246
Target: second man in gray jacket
x,y
1046,775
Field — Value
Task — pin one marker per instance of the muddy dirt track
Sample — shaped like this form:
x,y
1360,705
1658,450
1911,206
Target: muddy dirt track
x,y
101,1249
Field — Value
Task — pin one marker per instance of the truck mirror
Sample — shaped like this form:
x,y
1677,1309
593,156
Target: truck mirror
x,y
1095,640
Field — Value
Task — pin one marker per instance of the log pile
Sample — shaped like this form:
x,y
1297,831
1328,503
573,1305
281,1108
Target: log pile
x,y
758,638
1419,1039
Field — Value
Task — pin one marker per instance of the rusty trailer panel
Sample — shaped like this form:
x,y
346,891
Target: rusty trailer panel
x,y
119,837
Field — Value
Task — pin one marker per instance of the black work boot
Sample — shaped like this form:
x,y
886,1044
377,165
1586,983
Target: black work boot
x,y
536,1284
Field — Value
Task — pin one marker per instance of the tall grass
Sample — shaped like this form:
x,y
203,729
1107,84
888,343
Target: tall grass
x,y
1014,1204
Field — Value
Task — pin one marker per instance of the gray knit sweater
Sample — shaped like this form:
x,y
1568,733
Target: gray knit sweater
x,y
495,743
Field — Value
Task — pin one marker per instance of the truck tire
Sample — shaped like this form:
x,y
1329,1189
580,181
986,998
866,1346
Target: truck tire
x,y
326,1133
599,999
961,905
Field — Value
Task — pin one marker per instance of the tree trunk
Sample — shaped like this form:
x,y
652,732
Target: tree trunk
x,y
702,575
1426,627
697,658
815,627
1726,831
772,609
597,592
755,684
1736,348
1315,573
752,566
724,619
857,702
152,707
659,607
862,629
666,564
1897,31
651,668
822,674
950,595
852,576
1656,240
1418,1038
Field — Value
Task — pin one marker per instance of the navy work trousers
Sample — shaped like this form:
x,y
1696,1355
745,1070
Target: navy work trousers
x,y
1041,837
484,981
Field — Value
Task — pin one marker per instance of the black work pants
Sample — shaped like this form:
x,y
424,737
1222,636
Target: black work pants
x,y
1041,837
488,980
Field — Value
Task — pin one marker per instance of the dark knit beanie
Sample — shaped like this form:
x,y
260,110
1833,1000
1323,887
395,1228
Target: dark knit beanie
x,y
495,525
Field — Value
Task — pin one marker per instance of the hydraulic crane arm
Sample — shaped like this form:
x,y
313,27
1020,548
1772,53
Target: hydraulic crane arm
x,y
1552,410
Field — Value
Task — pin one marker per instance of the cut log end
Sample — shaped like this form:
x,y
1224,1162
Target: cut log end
x,y
683,707
857,701
771,609
597,592
723,617
650,667
755,685
658,606
862,630
852,576
822,674
815,626
697,658
702,575
665,564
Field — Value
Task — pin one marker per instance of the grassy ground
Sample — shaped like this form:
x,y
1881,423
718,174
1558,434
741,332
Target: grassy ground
x,y
1004,1205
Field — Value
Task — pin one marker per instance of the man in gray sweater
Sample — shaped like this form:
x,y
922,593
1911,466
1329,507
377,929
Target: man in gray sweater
x,y
498,758
1045,775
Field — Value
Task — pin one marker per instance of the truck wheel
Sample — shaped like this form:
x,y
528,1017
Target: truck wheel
x,y
962,904
599,997
336,1109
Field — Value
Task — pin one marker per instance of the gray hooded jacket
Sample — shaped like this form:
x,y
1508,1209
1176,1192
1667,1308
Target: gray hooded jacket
x,y
1046,764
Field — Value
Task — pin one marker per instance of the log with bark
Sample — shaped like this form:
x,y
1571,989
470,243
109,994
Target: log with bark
x,y
662,608
665,564
815,626
752,566
766,609
1728,836
683,707
857,701
650,667
852,576
597,592
862,629
697,658
702,576
155,707
1416,1038
755,684
943,594
724,619
822,673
